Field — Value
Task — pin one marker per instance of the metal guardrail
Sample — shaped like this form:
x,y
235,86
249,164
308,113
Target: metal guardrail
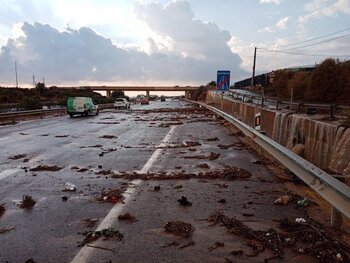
x,y
308,107
30,112
328,187
18,114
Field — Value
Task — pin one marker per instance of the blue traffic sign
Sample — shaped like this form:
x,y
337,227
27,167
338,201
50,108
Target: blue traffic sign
x,y
223,80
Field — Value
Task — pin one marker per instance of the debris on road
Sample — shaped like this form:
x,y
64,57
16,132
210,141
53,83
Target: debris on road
x,y
283,200
179,228
113,196
2,209
183,201
106,233
30,261
92,146
69,187
228,173
236,252
211,157
178,186
216,245
108,137
80,170
61,136
104,172
303,202
6,230
300,220
212,139
64,198
46,168
18,156
91,222
322,242
203,166
108,122
127,217
222,201
27,202
156,188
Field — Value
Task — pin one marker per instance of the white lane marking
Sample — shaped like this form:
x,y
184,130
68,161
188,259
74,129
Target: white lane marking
x,y
3,139
85,252
6,173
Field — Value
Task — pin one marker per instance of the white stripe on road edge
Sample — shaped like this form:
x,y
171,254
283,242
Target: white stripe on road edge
x,y
85,252
3,139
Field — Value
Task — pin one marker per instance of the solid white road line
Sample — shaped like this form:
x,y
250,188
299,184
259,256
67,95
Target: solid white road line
x,y
3,139
85,252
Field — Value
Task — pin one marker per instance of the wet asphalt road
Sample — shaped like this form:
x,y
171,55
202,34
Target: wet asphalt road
x,y
49,232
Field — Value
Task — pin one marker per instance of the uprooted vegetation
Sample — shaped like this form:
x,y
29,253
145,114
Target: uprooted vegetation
x,y
305,238
46,168
227,173
108,233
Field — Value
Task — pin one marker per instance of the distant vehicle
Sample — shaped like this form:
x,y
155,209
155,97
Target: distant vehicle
x,y
162,98
82,106
121,103
144,101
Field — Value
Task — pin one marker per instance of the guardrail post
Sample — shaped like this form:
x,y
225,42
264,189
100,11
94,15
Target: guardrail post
x,y
277,104
262,102
336,218
299,106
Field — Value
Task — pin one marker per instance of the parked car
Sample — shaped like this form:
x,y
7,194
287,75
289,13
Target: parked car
x,y
162,98
121,103
144,101
83,106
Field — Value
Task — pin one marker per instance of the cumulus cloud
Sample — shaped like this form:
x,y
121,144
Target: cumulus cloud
x,y
282,23
270,1
185,51
317,9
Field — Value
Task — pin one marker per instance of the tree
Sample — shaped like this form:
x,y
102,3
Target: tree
x,y
118,94
299,83
325,84
40,88
30,103
279,86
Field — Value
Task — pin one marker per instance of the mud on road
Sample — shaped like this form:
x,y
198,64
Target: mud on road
x,y
179,184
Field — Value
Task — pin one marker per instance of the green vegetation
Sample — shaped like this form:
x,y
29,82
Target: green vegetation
x,y
329,82
41,95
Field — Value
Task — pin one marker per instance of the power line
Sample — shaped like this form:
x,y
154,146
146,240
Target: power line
x,y
312,39
301,54
321,42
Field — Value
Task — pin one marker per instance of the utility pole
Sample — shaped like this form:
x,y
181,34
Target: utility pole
x,y
16,74
34,84
252,82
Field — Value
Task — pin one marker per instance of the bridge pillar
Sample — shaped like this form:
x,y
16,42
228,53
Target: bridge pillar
x,y
147,94
108,94
187,95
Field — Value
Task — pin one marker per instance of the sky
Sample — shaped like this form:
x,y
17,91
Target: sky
x,y
146,42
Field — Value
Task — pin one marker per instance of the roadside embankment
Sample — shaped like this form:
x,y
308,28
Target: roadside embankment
x,y
324,144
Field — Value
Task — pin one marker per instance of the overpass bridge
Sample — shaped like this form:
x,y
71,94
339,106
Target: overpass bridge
x,y
148,89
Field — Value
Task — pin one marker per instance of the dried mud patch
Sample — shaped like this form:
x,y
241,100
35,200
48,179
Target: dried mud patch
x,y
46,168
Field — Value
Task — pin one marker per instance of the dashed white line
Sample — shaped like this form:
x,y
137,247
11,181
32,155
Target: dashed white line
x,y
85,252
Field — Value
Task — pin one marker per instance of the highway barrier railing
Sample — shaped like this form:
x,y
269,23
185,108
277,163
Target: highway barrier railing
x,y
13,116
308,108
336,193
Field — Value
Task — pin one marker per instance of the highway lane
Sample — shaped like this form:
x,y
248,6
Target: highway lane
x,y
148,139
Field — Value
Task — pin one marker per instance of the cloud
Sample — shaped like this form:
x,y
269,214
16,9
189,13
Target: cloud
x,y
317,9
282,23
270,1
183,51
